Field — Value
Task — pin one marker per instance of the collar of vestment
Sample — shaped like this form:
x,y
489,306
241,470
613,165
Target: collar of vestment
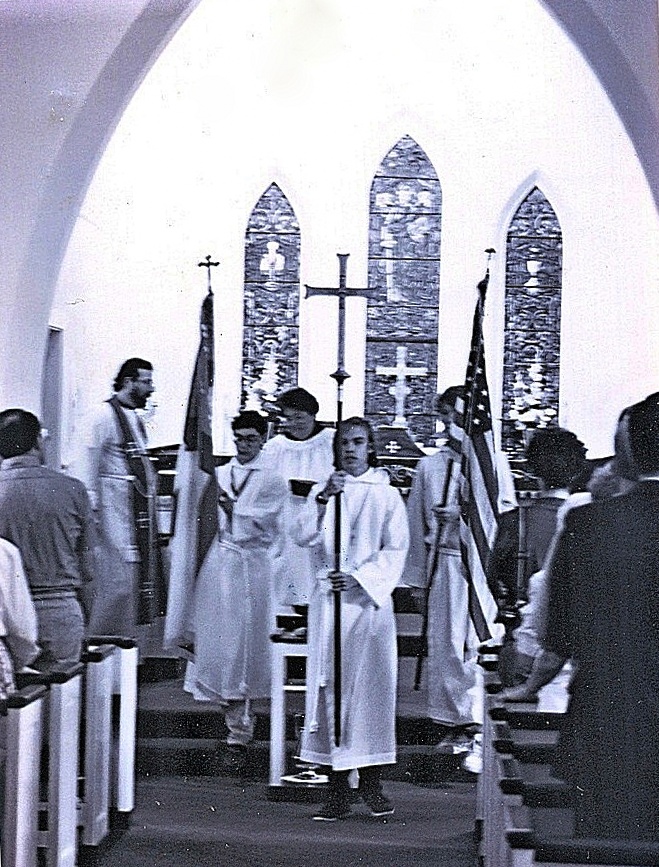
x,y
256,464
372,476
21,461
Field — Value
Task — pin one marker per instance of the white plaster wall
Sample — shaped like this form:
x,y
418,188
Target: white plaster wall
x,y
312,95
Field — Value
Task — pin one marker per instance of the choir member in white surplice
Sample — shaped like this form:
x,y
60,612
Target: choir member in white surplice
x,y
232,617
303,450
374,539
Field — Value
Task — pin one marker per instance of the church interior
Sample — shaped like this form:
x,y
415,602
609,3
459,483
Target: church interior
x,y
426,143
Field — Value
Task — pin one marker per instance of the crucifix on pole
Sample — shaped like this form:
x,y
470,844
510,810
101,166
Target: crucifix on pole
x,y
208,264
340,375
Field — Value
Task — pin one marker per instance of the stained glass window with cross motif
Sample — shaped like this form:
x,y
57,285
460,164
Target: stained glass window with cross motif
x,y
271,301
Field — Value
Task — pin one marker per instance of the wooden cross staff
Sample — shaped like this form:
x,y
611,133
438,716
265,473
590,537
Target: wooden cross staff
x,y
340,375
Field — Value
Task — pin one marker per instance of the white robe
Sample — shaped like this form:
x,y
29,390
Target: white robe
x,y
454,677
374,539
109,483
313,460
232,616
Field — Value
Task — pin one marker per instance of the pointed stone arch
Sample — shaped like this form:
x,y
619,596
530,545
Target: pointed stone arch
x,y
271,301
405,213
532,335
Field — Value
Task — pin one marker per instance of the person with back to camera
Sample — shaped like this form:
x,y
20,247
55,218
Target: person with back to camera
x,y
18,618
374,540
603,612
47,515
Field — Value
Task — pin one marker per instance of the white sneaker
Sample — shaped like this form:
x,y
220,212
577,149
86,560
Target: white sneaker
x,y
473,761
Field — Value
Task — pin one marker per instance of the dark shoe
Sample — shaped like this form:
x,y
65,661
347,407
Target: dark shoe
x,y
378,804
332,811
234,759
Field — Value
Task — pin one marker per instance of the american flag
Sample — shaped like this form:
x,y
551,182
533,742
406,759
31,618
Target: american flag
x,y
479,489
195,523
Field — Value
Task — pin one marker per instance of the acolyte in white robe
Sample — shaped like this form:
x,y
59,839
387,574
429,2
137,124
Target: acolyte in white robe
x,y
232,616
374,540
312,460
454,677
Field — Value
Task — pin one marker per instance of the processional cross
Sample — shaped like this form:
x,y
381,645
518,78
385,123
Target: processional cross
x,y
340,375
400,390
208,264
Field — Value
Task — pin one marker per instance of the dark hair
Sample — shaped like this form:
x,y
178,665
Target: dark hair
x,y
449,396
300,399
643,433
356,421
249,418
19,432
557,456
131,369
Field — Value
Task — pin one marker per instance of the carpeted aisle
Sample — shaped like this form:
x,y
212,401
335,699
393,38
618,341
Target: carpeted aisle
x,y
212,821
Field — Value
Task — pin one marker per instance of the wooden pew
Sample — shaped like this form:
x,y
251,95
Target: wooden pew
x,y
94,801
124,727
22,718
59,772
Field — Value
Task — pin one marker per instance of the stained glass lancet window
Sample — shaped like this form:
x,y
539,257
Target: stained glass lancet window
x,y
532,337
402,319
271,301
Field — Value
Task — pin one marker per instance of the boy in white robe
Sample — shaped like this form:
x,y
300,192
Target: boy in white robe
x,y
374,540
232,605
302,451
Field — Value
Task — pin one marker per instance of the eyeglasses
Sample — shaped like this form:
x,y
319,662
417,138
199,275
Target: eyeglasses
x,y
250,439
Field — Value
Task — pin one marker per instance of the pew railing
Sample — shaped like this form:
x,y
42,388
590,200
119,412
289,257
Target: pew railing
x,y
22,714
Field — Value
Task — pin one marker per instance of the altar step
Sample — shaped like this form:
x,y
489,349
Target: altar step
x,y
179,736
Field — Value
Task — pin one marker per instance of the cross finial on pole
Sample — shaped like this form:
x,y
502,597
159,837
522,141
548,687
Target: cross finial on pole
x,y
340,375
208,264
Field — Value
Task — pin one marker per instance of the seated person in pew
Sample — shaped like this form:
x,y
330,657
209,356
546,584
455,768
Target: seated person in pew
x,y
234,591
18,619
374,540
47,515
603,612
557,459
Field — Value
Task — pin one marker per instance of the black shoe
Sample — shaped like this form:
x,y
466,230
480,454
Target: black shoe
x,y
332,811
234,759
378,804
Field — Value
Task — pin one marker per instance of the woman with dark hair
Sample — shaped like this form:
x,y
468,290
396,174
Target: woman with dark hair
x,y
374,540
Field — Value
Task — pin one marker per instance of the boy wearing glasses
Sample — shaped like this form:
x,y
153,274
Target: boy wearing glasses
x,y
234,588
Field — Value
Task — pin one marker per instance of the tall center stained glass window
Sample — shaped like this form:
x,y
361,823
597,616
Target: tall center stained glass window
x,y
402,319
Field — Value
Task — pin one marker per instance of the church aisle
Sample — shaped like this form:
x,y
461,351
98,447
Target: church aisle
x,y
199,821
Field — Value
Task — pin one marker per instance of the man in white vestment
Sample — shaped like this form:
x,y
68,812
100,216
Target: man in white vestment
x,y
122,486
302,451
233,594
374,540
434,561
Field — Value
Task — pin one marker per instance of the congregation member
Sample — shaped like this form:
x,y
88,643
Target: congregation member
x,y
434,565
603,612
122,485
47,515
556,458
18,618
302,451
233,594
374,541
